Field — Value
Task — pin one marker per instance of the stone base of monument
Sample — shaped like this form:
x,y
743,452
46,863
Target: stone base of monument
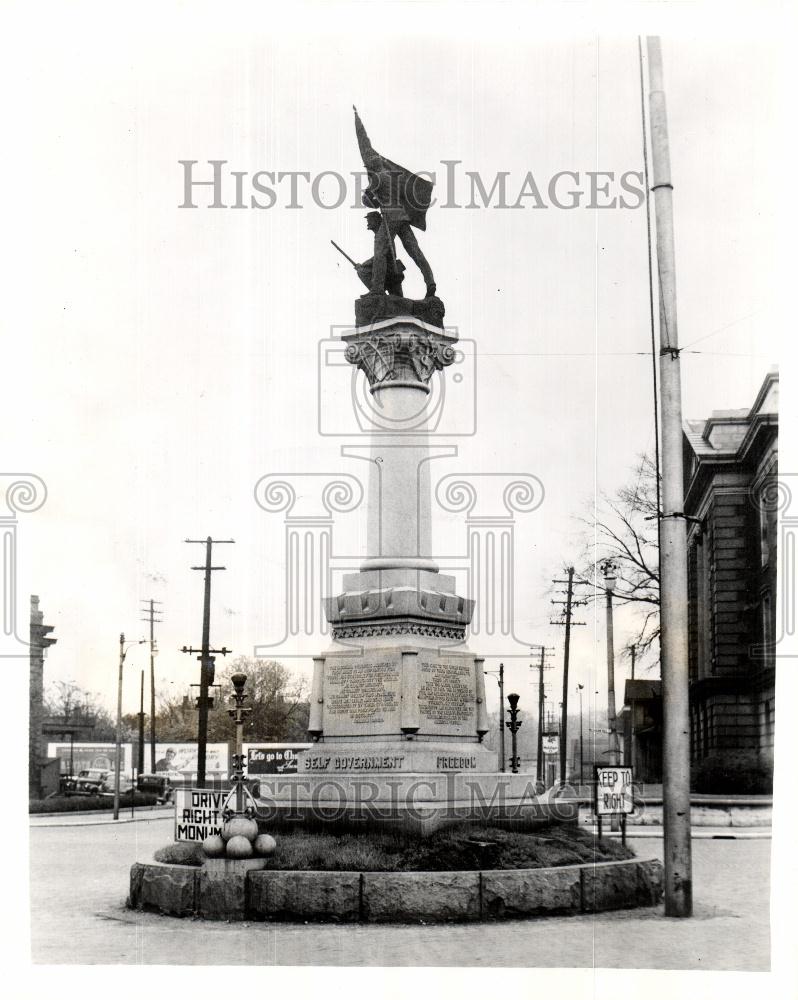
x,y
408,897
421,802
233,865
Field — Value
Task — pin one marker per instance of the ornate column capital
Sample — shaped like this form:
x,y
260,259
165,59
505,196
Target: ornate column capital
x,y
399,352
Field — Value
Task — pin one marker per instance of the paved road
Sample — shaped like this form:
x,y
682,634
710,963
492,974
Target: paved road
x,y
79,881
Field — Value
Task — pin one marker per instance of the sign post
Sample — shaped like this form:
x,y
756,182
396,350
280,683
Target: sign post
x,y
613,795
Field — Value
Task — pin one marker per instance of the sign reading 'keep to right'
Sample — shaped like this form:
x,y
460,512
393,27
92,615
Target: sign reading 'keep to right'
x,y
614,793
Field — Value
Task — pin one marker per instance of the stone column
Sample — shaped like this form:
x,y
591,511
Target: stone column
x,y
399,357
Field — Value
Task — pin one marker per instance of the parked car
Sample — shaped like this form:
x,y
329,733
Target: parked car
x,y
67,784
90,781
125,783
156,784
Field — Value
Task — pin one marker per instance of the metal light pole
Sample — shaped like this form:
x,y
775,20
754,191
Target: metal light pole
x,y
237,715
118,762
514,724
579,688
608,570
673,533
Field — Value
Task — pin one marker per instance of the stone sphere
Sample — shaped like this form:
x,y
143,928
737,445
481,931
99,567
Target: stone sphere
x,y
264,845
213,846
240,826
239,847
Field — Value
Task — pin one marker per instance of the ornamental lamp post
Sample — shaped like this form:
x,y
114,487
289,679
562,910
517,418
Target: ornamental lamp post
x,y
514,724
237,714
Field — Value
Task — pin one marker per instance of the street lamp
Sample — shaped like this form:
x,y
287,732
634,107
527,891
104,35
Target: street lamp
x,y
238,714
118,763
500,674
514,724
610,579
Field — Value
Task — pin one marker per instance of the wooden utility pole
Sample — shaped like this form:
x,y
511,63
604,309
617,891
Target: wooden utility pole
x,y
502,758
608,570
149,615
569,604
141,727
205,657
123,649
541,666
673,535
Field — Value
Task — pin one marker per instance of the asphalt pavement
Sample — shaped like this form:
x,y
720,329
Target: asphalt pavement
x,y
79,881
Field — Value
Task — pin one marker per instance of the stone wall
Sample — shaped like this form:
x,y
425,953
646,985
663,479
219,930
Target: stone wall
x,y
382,897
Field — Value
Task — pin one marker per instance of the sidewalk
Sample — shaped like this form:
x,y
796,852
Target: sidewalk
x,y
634,832
102,817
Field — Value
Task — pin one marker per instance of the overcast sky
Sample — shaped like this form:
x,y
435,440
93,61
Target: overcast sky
x,y
167,358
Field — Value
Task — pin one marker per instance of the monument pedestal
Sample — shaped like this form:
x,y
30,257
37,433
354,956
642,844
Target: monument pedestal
x,y
397,706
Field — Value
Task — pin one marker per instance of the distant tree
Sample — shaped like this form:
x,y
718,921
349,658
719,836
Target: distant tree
x,y
278,699
622,529
68,702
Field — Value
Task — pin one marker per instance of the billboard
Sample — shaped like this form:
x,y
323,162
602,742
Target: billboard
x,y
271,758
180,759
90,755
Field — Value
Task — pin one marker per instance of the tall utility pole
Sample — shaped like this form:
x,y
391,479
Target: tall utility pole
x,y
141,727
608,570
569,603
205,657
541,666
123,647
149,615
502,757
500,675
579,689
673,534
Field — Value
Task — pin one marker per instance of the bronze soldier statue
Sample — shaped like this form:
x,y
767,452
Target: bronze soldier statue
x,y
401,198
395,269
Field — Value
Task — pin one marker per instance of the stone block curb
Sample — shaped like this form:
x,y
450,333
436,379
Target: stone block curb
x,y
399,897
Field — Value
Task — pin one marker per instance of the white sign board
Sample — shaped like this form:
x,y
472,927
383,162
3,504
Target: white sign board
x,y
198,813
614,791
178,760
551,744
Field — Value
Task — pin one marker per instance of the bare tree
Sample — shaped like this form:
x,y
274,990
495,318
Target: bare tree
x,y
623,530
68,702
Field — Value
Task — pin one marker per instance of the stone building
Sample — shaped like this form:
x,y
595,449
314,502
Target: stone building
x,y
640,724
39,780
730,463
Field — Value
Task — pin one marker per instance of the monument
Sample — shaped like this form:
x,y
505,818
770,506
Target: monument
x,y
397,708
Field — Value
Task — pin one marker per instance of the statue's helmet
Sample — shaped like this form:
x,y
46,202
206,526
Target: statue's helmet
x,y
373,220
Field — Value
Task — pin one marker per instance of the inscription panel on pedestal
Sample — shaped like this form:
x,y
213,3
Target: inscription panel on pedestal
x,y
362,695
446,694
